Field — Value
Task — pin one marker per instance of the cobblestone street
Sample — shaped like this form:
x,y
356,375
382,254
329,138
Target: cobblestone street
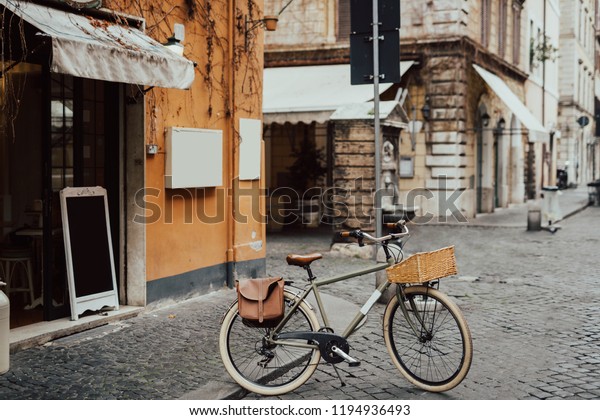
x,y
531,303
531,300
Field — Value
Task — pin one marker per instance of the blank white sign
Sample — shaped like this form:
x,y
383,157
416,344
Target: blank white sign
x,y
194,158
250,148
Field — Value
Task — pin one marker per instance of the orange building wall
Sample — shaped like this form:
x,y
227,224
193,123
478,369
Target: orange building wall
x,y
227,87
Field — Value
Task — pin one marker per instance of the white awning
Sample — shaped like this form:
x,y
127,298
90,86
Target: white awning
x,y
313,93
86,47
537,131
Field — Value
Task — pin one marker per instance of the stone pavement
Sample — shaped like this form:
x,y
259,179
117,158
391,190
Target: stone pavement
x,y
530,299
570,202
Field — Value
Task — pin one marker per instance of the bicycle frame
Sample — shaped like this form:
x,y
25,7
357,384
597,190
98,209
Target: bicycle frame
x,y
314,288
254,360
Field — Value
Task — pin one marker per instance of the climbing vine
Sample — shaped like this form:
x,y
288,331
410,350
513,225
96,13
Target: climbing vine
x,y
208,43
11,89
541,50
229,68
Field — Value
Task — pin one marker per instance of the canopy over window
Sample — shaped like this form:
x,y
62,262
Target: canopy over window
x,y
537,132
313,93
87,47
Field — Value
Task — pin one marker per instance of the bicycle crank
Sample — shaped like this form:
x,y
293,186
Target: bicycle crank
x,y
352,362
334,348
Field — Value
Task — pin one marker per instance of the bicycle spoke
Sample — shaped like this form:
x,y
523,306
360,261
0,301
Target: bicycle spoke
x,y
258,361
433,353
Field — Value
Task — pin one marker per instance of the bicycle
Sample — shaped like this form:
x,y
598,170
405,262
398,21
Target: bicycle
x,y
425,332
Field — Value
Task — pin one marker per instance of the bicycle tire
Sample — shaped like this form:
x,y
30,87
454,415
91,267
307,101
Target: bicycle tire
x,y
439,358
242,350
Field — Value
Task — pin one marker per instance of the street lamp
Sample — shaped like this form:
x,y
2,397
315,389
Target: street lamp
x,y
485,119
501,125
174,41
174,45
269,23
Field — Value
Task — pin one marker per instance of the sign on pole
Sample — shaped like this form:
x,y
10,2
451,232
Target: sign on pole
x,y
361,41
375,58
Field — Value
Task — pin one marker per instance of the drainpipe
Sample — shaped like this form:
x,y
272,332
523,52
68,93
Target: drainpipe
x,y
543,177
230,130
544,69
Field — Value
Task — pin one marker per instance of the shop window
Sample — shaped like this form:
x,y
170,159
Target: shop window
x,y
61,131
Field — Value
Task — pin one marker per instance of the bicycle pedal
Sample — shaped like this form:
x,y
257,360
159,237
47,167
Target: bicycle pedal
x,y
352,362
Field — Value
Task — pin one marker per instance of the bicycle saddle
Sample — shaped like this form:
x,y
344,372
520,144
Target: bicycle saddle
x,y
303,260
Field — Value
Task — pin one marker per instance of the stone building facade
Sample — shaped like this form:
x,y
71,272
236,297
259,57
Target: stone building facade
x,y
542,87
577,147
471,143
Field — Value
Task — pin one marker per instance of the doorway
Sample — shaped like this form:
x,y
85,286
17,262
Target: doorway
x,y
64,133
299,162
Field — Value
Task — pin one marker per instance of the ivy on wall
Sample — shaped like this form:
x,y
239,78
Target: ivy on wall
x,y
207,43
541,50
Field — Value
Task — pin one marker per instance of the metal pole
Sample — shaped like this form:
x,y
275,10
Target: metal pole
x,y
377,123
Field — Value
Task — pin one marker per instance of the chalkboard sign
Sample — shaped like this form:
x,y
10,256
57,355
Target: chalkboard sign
x,y
88,250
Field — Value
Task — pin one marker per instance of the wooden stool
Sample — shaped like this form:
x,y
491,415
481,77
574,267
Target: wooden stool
x,y
11,257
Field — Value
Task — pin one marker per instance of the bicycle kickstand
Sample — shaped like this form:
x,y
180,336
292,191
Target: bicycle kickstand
x,y
352,362
337,372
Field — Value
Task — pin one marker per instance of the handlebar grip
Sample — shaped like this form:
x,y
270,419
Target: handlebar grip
x,y
351,234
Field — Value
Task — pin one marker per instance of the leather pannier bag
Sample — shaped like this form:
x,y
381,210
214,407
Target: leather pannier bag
x,y
260,301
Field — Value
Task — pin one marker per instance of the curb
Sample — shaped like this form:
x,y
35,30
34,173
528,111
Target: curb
x,y
68,328
474,223
574,212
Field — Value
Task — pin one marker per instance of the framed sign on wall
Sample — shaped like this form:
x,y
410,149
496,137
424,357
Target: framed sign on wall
x,y
88,250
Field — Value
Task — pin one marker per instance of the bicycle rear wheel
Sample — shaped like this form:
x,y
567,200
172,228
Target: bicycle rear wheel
x,y
436,355
264,368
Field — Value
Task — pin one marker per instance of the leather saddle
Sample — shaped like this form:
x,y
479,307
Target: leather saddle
x,y
303,260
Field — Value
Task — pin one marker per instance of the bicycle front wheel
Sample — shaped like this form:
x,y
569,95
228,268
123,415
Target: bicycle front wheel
x,y
433,348
260,366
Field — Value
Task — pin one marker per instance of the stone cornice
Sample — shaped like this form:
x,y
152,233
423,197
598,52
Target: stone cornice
x,y
467,48
409,50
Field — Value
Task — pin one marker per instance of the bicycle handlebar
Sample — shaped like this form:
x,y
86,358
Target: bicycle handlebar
x,y
360,235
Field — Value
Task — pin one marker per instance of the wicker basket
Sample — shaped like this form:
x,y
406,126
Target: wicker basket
x,y
424,266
